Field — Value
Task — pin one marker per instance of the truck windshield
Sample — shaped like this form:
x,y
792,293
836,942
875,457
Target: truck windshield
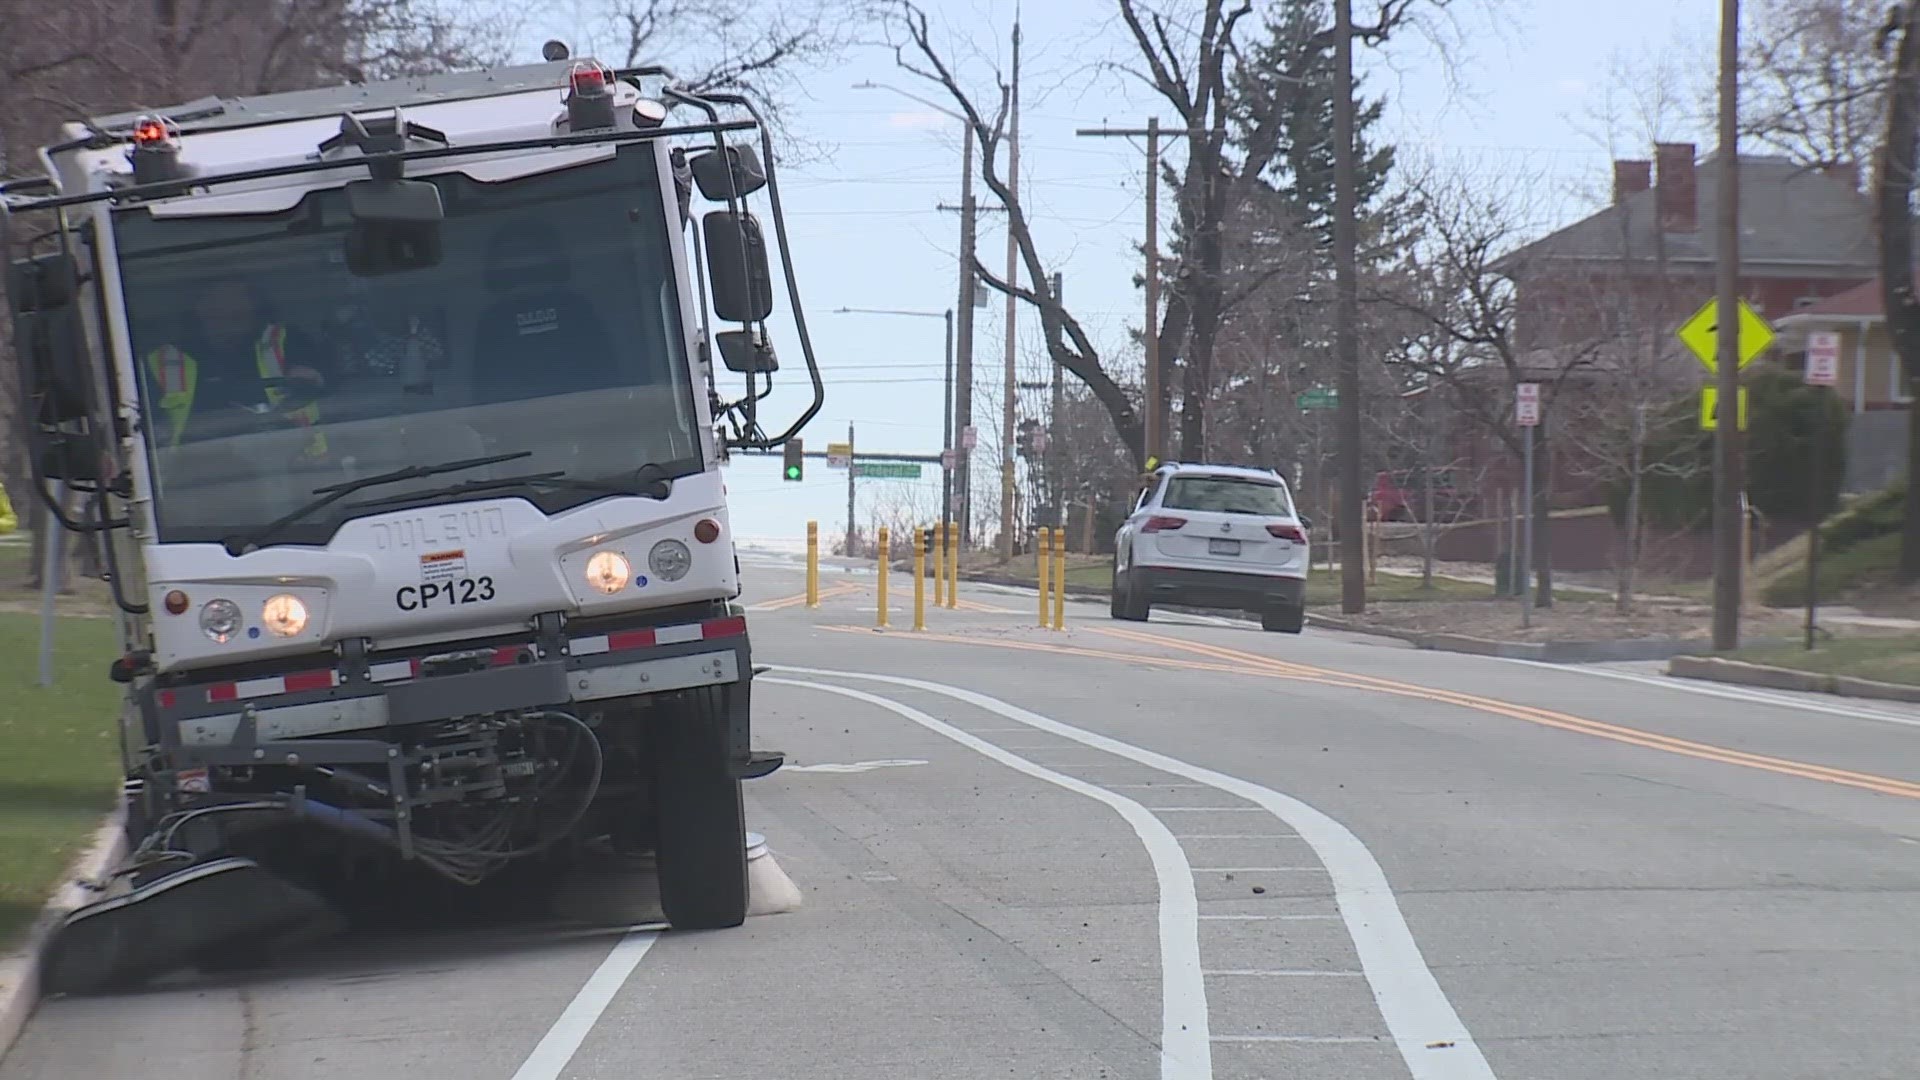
x,y
550,325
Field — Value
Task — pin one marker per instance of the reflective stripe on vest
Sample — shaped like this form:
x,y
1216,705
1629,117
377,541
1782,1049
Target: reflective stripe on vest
x,y
178,375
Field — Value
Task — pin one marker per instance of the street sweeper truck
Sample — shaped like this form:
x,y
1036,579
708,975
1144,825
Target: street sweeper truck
x,y
394,410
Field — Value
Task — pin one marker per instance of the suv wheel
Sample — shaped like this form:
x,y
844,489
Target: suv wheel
x,y
1288,620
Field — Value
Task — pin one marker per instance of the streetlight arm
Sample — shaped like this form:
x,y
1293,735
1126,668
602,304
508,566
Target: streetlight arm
x,y
941,109
889,311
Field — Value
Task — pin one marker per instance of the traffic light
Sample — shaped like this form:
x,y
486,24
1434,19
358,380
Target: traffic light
x,y
794,459
1024,438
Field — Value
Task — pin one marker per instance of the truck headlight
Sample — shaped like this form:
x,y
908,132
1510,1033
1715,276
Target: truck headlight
x,y
609,571
284,615
670,560
220,620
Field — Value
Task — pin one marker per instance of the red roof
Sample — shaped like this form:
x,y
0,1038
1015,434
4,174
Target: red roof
x,y
1859,302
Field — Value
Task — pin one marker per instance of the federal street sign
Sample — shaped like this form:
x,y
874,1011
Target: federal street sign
x,y
887,470
1823,358
1709,412
1701,333
1318,399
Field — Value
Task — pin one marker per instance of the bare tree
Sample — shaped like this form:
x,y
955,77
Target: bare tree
x,y
1196,58
1462,286
1067,341
1814,78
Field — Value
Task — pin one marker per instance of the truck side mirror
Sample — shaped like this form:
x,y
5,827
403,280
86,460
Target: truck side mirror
x,y
48,336
747,352
737,265
710,172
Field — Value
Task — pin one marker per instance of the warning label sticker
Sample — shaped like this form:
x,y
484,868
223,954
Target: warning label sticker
x,y
443,566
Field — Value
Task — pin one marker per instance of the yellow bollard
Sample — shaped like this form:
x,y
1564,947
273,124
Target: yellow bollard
x,y
883,579
920,538
939,563
1042,546
813,564
1060,579
953,564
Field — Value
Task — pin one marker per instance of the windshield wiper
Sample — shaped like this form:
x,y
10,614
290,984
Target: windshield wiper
x,y
648,481
333,493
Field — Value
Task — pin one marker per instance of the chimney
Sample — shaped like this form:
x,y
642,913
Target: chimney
x,y
1847,172
1630,178
1676,189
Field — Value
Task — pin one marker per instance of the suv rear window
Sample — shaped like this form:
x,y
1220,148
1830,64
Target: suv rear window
x,y
1227,495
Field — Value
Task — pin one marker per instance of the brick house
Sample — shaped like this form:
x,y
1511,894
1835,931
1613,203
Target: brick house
x,y
1646,261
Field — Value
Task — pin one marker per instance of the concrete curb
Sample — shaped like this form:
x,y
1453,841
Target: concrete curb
x,y
20,972
1741,673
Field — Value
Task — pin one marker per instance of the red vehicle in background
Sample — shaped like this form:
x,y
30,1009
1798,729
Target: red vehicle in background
x,y
1401,495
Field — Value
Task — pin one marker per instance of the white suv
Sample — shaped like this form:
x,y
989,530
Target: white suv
x,y
1214,536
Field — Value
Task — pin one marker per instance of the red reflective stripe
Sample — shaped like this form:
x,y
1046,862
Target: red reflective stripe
x,y
507,654
309,680
270,352
224,692
719,628
166,699
629,639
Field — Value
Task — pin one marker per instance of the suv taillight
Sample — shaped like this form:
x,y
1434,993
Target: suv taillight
x,y
1287,532
1162,523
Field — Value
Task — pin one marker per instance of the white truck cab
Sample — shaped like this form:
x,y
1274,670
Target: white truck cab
x,y
395,405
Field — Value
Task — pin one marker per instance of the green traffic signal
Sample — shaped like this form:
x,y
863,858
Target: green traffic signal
x,y
793,472
794,456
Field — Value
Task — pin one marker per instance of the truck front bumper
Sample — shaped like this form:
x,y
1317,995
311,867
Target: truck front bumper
x,y
308,715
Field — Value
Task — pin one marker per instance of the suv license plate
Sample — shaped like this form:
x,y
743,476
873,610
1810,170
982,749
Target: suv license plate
x,y
1223,547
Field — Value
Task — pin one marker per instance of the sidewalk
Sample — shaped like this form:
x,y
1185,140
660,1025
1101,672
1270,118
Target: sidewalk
x,y
1835,614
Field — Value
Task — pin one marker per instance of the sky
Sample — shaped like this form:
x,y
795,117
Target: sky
x,y
1503,88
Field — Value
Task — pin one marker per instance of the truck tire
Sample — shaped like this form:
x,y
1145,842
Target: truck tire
x,y
702,843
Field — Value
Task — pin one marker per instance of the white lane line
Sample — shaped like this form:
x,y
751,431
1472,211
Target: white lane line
x,y
1264,918
1184,1050
563,1039
1259,869
1731,693
1296,1039
1426,1029
1286,973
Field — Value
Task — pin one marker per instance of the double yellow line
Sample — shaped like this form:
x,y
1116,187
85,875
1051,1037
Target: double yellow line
x,y
1238,662
800,598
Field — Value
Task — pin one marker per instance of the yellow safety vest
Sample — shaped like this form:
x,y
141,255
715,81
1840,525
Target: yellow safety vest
x,y
177,375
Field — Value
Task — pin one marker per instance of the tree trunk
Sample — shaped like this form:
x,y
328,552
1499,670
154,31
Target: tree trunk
x,y
1542,520
1429,528
1894,204
1630,557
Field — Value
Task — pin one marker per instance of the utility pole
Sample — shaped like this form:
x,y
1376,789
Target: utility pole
x,y
851,473
1150,329
1154,424
1346,318
946,435
1729,524
963,345
1008,410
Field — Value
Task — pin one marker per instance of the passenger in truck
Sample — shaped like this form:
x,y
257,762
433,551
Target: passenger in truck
x,y
540,335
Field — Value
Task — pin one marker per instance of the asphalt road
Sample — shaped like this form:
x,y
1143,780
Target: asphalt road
x,y
1180,850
